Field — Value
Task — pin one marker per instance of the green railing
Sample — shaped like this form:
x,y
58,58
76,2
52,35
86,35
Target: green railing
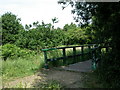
x,y
94,53
64,56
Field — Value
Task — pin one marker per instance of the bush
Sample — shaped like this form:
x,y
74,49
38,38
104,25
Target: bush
x,y
109,71
12,51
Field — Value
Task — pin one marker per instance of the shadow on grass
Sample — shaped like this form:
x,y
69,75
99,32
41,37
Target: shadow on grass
x,y
91,80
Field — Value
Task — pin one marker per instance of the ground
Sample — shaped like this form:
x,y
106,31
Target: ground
x,y
68,77
65,78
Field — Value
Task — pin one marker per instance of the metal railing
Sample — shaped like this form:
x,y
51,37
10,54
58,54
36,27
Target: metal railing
x,y
94,51
64,56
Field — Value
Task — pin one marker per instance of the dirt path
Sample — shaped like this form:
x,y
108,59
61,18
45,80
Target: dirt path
x,y
67,79
71,76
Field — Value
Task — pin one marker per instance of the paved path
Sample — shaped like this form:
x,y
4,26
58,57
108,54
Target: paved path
x,y
84,66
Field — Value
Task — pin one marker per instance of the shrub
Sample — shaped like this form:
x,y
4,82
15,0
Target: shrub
x,y
12,51
109,71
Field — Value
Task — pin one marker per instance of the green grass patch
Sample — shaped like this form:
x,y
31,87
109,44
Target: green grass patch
x,y
21,67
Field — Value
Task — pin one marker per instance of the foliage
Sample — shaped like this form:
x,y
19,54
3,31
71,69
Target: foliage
x,y
109,67
76,35
68,27
21,67
12,51
20,45
37,36
10,27
105,24
44,37
41,37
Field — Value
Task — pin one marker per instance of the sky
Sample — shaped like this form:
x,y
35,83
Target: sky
x,y
37,10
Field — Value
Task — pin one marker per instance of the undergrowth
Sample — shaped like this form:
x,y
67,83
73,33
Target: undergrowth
x,y
21,67
16,65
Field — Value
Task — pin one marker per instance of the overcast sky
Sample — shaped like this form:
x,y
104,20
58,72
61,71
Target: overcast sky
x,y
37,10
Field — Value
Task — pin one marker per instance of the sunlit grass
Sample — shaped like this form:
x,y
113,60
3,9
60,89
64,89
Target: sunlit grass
x,y
21,67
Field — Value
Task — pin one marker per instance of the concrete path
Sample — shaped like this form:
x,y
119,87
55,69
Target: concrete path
x,y
85,66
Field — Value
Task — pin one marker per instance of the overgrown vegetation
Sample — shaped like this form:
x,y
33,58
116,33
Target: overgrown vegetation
x,y
105,24
20,67
12,52
22,62
21,46
37,36
100,25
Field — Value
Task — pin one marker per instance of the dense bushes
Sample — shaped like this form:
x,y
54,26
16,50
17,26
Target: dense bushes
x,y
36,39
109,66
44,37
37,36
12,51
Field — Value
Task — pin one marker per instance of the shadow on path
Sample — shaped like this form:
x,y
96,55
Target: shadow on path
x,y
70,76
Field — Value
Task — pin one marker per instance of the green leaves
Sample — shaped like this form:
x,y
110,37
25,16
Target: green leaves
x,y
12,51
10,27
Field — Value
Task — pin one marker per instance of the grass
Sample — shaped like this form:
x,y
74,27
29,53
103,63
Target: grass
x,y
50,84
21,67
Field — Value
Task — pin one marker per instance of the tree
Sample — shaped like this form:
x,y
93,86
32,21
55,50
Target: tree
x,y
68,27
74,34
54,20
10,27
105,19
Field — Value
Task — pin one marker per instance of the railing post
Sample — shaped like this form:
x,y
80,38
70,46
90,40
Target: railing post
x,y
45,59
99,55
64,56
94,59
82,47
74,53
100,51
89,47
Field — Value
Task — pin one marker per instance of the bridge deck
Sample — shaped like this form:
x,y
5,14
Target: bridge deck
x,y
85,66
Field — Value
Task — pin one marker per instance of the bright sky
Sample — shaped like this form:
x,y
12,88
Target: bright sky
x,y
37,10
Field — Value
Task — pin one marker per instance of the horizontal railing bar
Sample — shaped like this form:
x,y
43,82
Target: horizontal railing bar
x,y
54,59
66,47
48,49
93,50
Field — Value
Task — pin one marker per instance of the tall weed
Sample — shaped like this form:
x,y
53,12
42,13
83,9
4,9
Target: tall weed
x,y
21,67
